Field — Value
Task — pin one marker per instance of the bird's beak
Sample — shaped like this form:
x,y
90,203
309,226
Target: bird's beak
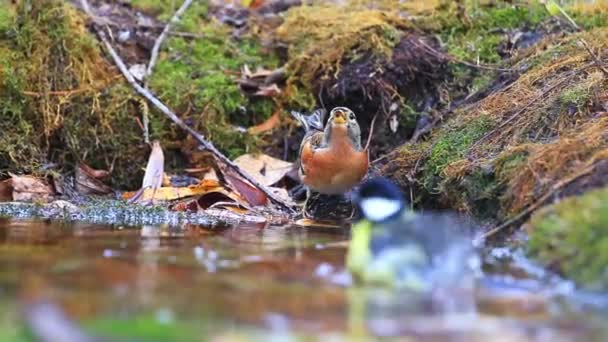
x,y
340,117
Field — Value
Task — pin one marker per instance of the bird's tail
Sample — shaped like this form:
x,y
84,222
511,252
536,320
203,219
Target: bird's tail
x,y
312,122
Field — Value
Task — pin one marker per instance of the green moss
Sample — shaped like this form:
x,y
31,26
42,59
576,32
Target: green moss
x,y
590,15
198,76
480,39
143,327
165,9
577,96
60,101
451,145
481,191
508,163
7,16
572,237
321,38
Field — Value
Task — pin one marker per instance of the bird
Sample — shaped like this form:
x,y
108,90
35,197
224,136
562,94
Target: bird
x,y
331,158
394,246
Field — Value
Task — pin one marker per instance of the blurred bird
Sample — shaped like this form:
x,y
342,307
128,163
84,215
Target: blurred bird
x,y
393,246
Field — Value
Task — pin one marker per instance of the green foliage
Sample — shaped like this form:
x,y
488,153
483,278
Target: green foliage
x,y
572,236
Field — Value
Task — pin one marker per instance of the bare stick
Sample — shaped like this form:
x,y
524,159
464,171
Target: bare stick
x,y
163,36
371,131
165,110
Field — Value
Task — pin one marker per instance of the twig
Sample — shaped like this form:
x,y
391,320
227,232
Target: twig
x,y
442,55
526,212
165,110
595,57
163,35
371,132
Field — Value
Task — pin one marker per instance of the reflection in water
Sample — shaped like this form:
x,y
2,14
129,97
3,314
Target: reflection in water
x,y
255,281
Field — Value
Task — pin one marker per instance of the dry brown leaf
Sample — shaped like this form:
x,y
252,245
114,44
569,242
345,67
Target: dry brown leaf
x,y
87,180
267,125
29,188
314,223
170,193
6,190
250,193
264,168
97,174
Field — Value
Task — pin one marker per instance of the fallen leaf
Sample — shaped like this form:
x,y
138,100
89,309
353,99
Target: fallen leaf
x,y
171,193
153,178
283,194
29,188
250,193
87,181
264,168
315,223
267,125
97,174
6,190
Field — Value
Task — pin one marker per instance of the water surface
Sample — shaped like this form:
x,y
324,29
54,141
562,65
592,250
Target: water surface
x,y
253,282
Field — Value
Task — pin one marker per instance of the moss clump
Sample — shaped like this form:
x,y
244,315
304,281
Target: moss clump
x,y
478,37
452,145
323,37
572,237
60,101
196,76
550,127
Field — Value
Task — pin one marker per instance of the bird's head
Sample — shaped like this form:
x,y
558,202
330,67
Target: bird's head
x,y
380,200
344,120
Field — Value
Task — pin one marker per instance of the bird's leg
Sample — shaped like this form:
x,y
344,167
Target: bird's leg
x,y
304,212
353,211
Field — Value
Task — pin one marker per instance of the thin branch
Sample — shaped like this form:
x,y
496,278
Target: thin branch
x,y
171,115
371,132
163,36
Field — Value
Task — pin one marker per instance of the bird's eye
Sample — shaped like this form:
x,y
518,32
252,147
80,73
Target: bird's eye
x,y
352,116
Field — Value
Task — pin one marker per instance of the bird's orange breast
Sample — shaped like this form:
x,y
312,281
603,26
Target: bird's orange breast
x,y
334,169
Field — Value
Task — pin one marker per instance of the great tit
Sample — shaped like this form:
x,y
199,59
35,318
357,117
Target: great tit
x,y
396,247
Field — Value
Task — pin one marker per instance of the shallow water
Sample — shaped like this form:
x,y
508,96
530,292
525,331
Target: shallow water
x,y
253,282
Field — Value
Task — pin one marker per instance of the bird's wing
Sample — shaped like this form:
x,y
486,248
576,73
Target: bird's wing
x,y
312,122
308,146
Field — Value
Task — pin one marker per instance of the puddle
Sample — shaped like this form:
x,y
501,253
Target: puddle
x,y
251,282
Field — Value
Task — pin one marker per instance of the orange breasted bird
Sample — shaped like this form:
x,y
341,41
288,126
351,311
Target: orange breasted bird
x,y
332,160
